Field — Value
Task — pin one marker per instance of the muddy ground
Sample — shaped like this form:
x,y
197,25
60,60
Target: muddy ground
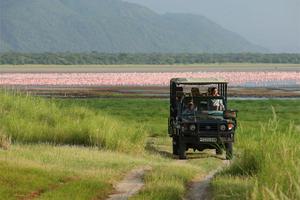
x,y
145,92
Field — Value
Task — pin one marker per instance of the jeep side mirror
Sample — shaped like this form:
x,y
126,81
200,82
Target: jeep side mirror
x,y
230,114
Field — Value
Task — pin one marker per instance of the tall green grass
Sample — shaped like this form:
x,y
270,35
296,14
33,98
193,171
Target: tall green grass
x,y
267,166
29,119
73,172
267,145
61,172
153,113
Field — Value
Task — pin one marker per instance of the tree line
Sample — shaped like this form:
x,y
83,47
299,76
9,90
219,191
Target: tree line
x,y
140,58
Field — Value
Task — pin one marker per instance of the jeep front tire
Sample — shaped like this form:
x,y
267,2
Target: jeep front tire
x,y
229,150
182,149
219,150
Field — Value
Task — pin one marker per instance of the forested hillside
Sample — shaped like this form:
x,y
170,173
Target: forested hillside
x,y
111,26
154,58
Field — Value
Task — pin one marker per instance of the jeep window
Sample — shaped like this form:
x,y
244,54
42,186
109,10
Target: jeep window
x,y
202,105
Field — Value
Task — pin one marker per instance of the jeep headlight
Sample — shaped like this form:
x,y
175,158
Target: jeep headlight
x,y
192,127
223,127
230,127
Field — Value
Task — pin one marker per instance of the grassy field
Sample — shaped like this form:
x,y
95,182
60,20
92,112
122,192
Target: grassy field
x,y
64,172
35,120
267,164
112,136
76,150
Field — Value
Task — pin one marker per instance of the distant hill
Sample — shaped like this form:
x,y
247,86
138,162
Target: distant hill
x,y
109,26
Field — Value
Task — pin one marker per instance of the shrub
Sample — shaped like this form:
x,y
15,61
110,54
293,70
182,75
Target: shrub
x,y
269,159
35,120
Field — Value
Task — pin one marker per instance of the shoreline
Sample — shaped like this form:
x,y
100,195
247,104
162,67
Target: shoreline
x,y
220,67
145,92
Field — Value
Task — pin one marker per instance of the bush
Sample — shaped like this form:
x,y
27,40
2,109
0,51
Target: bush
x,y
269,159
36,120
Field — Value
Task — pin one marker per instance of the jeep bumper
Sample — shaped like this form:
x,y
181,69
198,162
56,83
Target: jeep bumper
x,y
208,138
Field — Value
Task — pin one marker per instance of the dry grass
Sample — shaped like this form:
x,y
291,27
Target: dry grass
x,y
5,140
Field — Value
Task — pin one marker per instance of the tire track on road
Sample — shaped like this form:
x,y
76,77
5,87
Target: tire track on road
x,y
199,187
130,185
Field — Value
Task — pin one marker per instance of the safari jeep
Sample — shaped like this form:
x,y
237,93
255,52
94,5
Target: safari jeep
x,y
195,121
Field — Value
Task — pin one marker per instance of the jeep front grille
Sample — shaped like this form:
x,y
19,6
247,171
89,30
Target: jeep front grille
x,y
208,127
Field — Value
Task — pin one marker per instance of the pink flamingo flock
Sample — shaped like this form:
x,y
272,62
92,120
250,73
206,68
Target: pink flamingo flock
x,y
146,79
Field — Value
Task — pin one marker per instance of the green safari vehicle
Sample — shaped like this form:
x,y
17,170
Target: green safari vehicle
x,y
199,118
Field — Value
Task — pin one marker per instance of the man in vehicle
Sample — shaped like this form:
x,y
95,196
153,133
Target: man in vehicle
x,y
191,109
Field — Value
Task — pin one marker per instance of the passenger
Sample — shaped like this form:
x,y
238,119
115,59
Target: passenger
x,y
191,109
216,104
209,91
195,92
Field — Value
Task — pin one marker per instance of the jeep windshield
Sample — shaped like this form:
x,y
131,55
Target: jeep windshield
x,y
202,107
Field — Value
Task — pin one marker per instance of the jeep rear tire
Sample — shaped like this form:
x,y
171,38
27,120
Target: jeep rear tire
x,y
175,145
182,149
229,151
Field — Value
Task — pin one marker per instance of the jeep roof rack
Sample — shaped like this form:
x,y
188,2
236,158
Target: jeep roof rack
x,y
177,83
191,81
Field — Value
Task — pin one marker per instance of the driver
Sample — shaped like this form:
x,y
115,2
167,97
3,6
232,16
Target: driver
x,y
191,109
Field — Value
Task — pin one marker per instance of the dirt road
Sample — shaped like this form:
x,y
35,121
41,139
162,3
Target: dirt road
x,y
130,185
199,187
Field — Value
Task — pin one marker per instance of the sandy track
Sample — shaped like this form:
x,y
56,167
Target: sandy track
x,y
199,187
130,185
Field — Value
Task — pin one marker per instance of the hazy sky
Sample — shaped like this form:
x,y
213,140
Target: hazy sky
x,y
274,24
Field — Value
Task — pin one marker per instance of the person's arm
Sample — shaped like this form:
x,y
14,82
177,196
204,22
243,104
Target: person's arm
x,y
212,104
